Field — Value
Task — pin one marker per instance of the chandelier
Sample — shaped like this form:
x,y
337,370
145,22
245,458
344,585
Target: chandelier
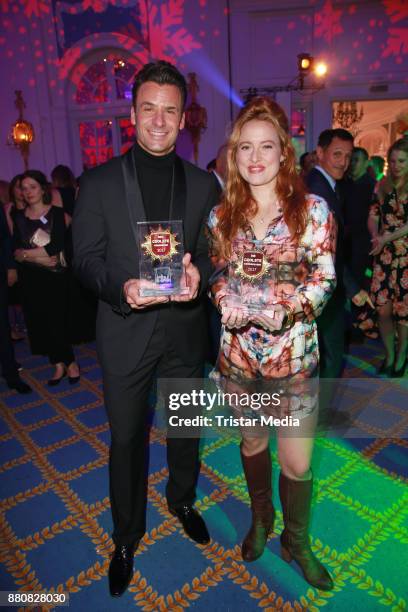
x,y
347,115
22,132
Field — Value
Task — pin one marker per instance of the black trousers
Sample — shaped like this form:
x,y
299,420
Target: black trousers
x,y
7,359
126,401
331,331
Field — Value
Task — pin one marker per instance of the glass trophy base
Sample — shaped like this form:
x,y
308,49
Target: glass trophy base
x,y
161,251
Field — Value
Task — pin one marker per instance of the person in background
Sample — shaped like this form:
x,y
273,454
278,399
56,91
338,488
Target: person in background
x,y
8,277
307,161
388,226
39,240
265,200
221,165
334,150
376,167
64,181
359,191
210,167
83,304
15,202
4,192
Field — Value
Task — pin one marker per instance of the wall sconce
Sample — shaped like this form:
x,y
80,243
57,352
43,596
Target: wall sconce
x,y
196,115
22,132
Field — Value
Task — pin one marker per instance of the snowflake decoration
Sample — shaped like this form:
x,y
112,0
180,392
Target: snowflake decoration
x,y
396,9
167,38
397,42
327,22
98,6
30,7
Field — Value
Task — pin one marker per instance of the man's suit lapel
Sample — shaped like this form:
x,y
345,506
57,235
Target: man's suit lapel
x,y
133,195
180,195
332,199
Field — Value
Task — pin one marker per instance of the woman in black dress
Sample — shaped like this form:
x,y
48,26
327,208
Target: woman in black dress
x,y
39,236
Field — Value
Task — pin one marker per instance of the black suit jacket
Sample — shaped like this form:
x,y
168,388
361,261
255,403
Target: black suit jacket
x,y
319,185
6,256
106,255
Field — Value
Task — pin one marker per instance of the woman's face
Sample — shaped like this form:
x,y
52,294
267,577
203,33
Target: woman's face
x,y
399,165
32,191
259,153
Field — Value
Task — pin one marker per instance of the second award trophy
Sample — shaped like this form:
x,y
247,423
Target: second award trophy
x,y
161,251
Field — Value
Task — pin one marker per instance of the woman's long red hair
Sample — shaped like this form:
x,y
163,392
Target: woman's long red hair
x,y
238,204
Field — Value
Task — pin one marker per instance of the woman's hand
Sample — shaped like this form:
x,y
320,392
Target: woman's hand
x,y
48,262
379,241
19,255
233,316
274,320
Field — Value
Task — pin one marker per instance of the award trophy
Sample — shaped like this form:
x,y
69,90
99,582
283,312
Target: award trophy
x,y
161,254
261,273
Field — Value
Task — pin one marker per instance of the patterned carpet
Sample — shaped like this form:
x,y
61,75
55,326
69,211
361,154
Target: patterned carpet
x,y
55,520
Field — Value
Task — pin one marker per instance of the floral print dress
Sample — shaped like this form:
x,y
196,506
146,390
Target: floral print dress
x,y
390,268
251,352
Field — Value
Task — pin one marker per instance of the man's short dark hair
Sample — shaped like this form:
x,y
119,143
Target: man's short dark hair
x,y
361,150
327,136
162,73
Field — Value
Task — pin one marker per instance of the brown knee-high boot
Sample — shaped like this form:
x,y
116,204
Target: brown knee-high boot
x,y
296,498
258,473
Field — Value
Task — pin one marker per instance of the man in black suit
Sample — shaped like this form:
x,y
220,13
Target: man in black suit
x,y
140,337
8,276
359,191
333,152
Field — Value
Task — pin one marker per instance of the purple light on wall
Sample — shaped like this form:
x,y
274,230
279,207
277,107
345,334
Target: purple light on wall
x,y
207,70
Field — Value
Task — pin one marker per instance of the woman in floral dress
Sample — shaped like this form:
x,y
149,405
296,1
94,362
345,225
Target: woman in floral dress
x,y
388,224
265,205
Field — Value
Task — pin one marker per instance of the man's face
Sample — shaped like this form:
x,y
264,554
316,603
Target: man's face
x,y
336,157
157,116
358,164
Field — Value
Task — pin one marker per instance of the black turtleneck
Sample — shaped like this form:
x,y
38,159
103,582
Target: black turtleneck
x,y
154,173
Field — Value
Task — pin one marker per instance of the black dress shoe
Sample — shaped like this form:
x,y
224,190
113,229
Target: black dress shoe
x,y
121,570
19,385
193,523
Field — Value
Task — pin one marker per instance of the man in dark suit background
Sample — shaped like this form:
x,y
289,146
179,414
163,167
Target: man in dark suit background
x,y
333,152
8,276
140,337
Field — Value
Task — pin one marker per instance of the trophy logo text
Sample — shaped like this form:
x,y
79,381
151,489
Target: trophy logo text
x,y
252,265
160,245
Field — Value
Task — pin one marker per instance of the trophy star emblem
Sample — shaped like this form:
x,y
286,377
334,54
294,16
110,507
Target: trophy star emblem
x,y
160,244
252,265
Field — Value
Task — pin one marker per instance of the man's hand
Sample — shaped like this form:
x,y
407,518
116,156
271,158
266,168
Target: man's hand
x,y
11,277
361,298
131,291
190,280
